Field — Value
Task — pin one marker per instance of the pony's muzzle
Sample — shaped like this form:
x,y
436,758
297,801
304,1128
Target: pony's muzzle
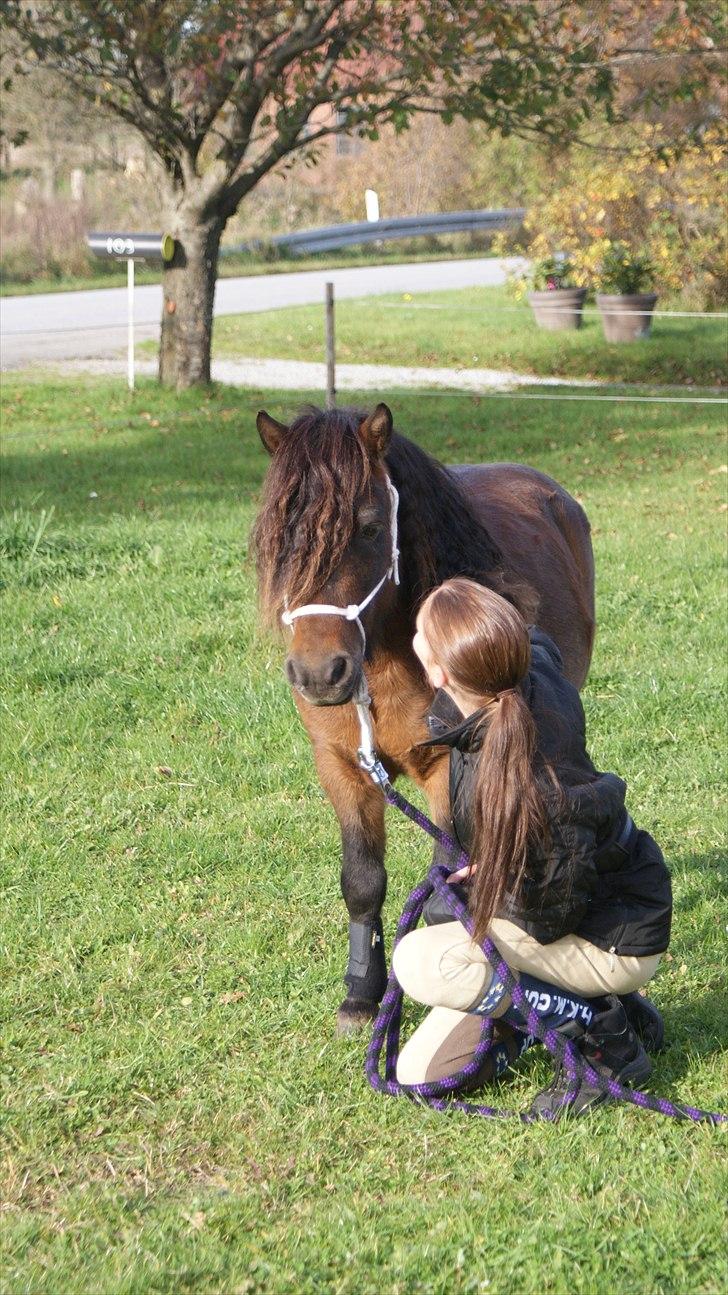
x,y
329,682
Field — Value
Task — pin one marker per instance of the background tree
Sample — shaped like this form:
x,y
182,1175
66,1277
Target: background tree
x,y
224,91
653,176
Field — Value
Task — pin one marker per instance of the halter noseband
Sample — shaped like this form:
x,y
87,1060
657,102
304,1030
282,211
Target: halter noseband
x,y
354,610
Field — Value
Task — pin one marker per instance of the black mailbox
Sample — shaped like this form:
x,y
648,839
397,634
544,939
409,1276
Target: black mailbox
x,y
132,247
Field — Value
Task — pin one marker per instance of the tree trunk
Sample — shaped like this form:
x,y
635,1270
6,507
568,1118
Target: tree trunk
x,y
188,284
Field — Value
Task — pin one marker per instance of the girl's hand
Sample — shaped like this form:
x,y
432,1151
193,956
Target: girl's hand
x,y
462,874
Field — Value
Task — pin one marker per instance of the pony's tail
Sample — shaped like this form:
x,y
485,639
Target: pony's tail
x,y
509,806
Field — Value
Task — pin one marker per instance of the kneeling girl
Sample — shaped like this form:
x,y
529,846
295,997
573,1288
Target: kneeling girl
x,y
577,900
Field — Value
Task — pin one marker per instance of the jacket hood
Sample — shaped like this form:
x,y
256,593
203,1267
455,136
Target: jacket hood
x,y
593,801
448,726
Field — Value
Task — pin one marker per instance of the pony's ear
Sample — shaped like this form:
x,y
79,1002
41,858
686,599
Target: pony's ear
x,y
376,431
270,431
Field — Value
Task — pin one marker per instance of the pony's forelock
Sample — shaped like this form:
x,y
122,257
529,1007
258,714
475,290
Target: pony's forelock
x,y
308,514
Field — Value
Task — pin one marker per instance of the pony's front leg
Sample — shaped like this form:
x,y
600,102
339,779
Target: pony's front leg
x,y
359,807
435,784
432,775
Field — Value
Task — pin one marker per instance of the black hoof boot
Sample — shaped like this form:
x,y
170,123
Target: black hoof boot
x,y
611,1047
366,975
645,1020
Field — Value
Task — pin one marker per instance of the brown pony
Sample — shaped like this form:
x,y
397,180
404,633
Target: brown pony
x,y
323,535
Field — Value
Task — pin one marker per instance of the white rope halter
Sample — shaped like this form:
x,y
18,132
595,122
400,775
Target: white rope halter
x,y
354,610
361,699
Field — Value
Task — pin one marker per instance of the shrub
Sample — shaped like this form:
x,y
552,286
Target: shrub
x,y
44,239
623,271
667,208
549,273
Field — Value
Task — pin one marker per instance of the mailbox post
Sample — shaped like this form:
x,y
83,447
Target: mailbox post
x,y
131,248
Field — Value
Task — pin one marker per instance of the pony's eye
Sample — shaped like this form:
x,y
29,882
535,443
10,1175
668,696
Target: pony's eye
x,y
370,530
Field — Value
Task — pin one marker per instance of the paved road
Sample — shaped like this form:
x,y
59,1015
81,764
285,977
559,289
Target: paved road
x,y
77,325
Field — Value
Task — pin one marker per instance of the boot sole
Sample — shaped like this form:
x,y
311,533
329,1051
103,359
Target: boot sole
x,y
634,1075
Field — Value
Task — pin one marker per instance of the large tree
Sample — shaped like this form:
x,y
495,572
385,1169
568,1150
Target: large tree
x,y
223,91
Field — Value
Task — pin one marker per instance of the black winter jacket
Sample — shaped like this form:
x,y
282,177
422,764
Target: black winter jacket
x,y
600,878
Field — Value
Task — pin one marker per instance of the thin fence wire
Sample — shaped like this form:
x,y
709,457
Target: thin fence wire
x,y
79,328
538,395
135,421
585,310
490,394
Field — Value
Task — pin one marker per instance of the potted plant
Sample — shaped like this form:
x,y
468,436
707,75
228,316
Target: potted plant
x,y
626,307
556,301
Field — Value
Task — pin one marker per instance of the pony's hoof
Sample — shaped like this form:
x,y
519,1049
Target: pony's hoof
x,y
354,1016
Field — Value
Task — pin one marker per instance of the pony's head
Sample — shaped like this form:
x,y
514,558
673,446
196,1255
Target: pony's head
x,y
324,536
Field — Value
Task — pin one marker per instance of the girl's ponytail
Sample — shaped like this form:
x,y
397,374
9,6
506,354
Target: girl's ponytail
x,y
509,810
483,644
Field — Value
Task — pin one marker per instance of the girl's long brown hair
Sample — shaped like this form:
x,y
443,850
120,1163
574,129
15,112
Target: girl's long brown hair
x,y
482,643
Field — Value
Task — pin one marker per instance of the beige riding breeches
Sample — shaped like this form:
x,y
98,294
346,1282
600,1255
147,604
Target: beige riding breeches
x,y
441,967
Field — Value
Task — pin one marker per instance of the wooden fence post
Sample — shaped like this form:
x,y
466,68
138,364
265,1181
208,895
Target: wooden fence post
x,y
330,351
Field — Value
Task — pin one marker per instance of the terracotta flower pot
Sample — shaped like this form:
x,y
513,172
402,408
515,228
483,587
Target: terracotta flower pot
x,y
626,318
558,308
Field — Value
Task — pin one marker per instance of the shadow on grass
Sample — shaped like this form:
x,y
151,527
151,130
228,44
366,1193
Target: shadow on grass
x,y
151,475
210,454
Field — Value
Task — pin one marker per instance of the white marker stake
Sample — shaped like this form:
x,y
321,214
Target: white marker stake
x,y
371,203
330,349
130,309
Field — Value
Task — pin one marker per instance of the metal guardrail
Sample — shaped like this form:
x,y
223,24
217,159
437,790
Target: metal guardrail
x,y
331,237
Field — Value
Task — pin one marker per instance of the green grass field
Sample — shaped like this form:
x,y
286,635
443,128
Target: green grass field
x,y
479,328
179,1115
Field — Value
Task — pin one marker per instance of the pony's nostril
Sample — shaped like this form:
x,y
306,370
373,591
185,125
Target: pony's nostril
x,y
296,675
337,668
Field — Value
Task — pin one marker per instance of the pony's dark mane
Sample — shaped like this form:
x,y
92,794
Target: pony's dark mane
x,y
440,536
308,515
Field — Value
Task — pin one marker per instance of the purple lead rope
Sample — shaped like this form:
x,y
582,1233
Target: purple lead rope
x,y
438,1094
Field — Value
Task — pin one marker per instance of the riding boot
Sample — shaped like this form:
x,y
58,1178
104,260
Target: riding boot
x,y
645,1020
611,1047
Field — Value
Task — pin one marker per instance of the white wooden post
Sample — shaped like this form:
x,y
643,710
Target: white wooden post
x,y
330,349
371,203
130,316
